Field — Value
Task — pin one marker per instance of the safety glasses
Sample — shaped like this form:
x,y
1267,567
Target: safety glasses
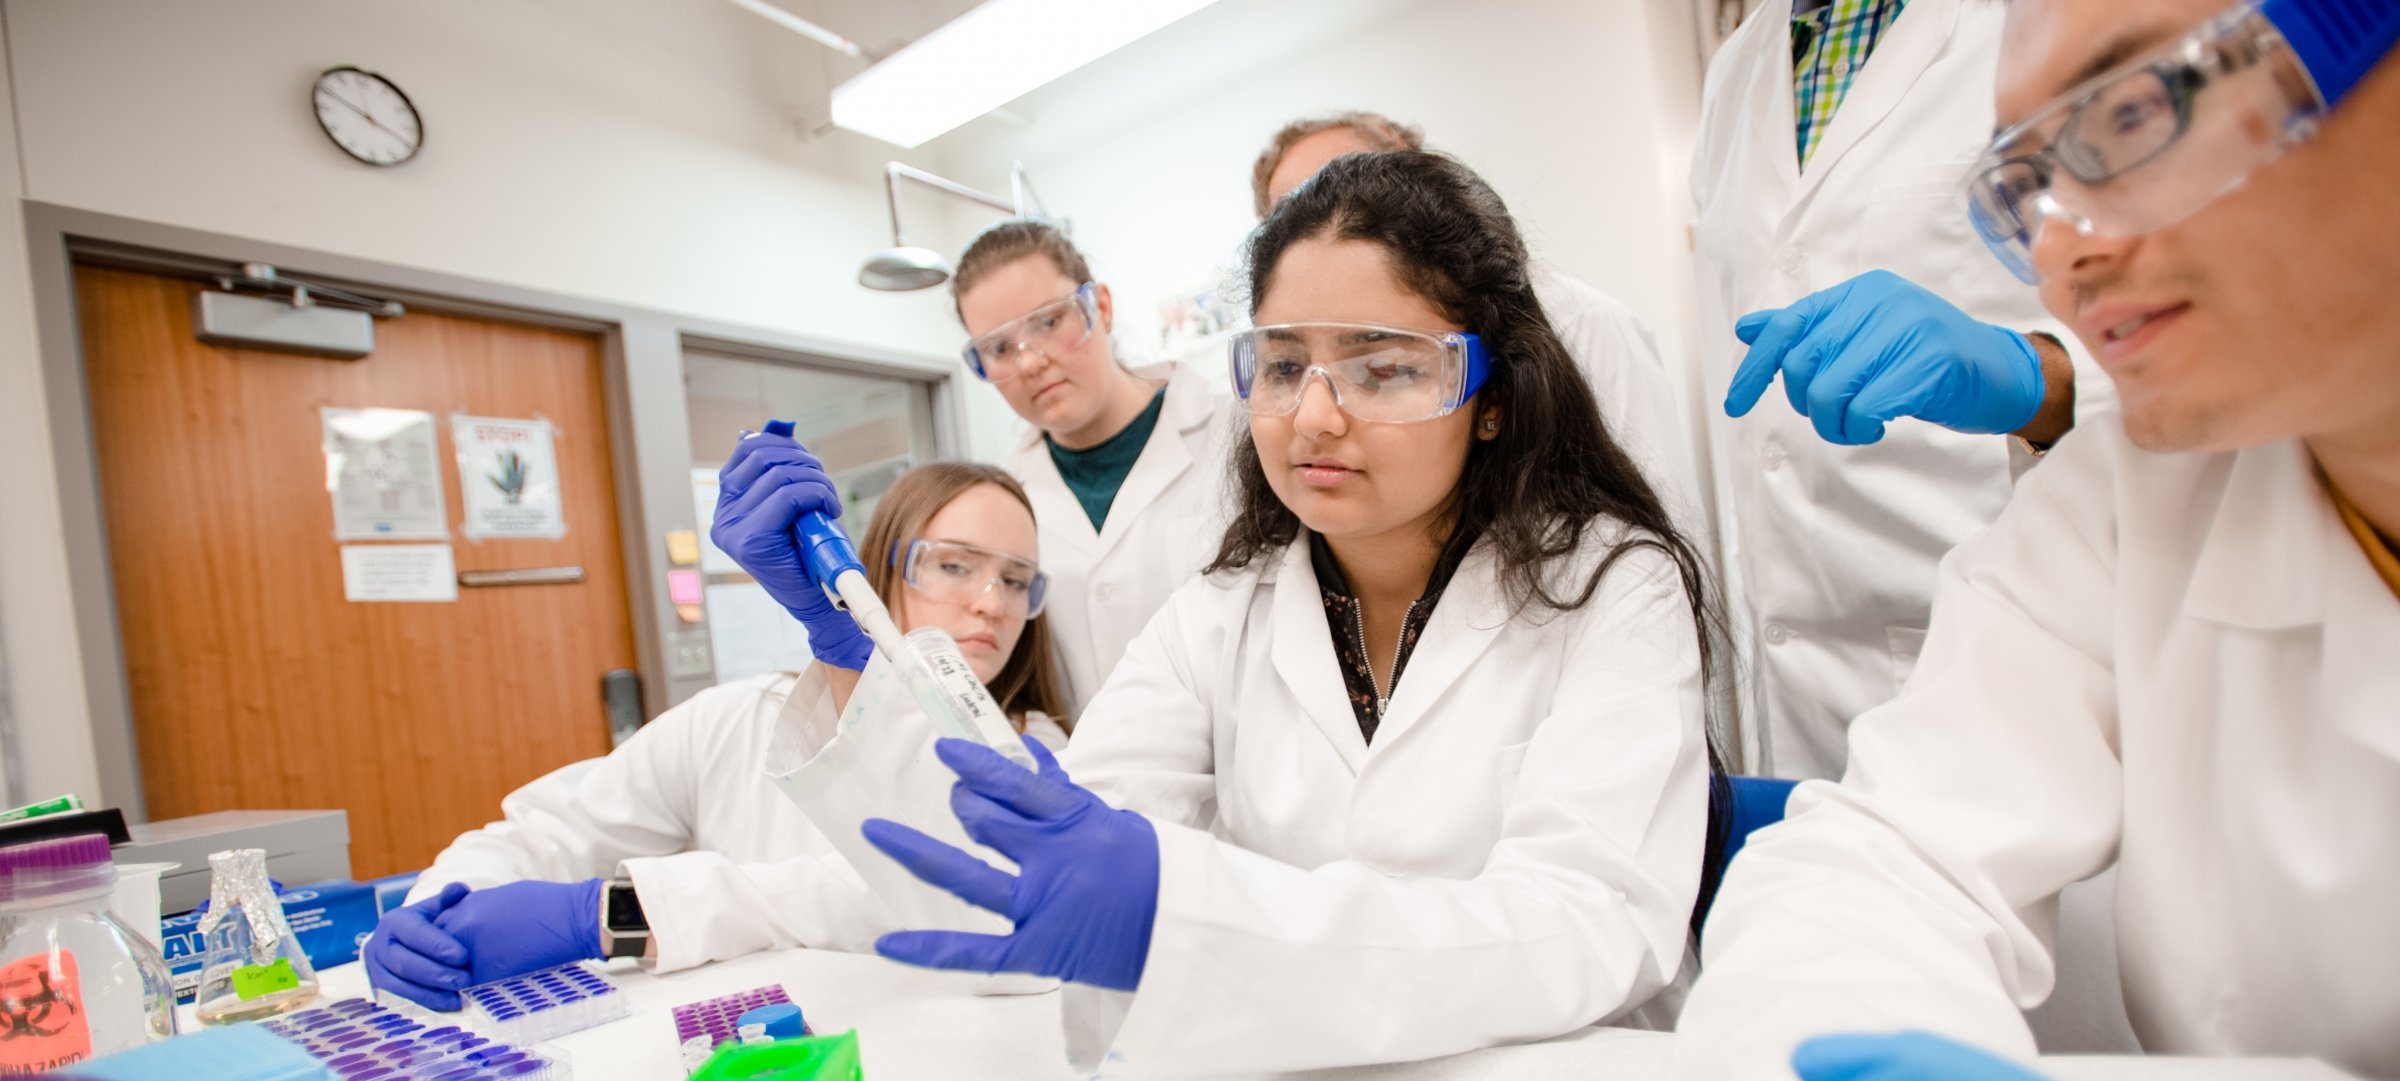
x,y
1376,373
2150,142
1053,329
962,573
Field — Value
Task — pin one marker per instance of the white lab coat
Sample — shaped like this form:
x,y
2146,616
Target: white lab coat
x,y
1832,549
724,864
1164,526
1514,857
2181,664
1619,358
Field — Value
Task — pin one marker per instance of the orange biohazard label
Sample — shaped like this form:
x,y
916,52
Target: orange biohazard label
x,y
42,1021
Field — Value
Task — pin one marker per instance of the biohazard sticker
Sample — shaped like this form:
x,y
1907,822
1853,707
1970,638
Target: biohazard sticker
x,y
42,1021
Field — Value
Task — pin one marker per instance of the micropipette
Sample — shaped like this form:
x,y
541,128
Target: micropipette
x,y
928,660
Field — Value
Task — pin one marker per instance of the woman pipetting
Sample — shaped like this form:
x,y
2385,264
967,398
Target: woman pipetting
x,y
1420,765
709,860
1123,465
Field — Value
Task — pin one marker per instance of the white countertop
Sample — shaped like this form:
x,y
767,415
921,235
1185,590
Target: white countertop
x,y
916,1024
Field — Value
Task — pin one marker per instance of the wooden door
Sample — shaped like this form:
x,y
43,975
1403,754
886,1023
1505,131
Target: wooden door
x,y
255,684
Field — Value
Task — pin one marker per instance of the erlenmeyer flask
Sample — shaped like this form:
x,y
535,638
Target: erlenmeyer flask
x,y
255,967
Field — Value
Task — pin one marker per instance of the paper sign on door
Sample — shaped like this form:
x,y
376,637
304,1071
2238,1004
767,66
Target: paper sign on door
x,y
508,472
383,475
398,572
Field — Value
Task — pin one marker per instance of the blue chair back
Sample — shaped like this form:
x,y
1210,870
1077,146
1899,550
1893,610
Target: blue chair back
x,y
1736,809
1757,803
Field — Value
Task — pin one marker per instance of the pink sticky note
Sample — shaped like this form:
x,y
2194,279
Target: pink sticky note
x,y
683,587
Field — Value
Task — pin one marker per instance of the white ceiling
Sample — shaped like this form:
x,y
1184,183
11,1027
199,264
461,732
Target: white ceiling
x,y
1202,50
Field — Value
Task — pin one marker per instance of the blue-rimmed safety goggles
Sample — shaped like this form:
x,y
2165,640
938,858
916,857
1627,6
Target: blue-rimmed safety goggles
x,y
2151,142
1376,373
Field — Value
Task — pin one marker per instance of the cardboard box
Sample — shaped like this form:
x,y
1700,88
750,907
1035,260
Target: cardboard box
x,y
331,920
301,846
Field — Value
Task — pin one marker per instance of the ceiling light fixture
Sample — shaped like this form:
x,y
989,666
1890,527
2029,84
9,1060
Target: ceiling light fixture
x,y
988,57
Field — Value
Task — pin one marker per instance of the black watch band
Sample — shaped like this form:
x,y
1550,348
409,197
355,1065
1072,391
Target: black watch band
x,y
624,930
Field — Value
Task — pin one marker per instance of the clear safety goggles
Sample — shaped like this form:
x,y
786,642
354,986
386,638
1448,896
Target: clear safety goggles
x,y
1376,373
961,574
2152,141
1053,329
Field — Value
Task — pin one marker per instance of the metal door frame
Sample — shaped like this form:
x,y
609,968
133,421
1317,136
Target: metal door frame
x,y
642,377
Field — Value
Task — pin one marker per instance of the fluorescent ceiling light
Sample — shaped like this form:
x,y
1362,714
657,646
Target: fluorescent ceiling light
x,y
988,57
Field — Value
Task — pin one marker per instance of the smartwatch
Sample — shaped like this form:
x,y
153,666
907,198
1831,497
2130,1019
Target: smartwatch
x,y
624,931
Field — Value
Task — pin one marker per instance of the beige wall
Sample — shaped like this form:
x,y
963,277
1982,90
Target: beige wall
x,y
50,751
648,152
632,151
1580,113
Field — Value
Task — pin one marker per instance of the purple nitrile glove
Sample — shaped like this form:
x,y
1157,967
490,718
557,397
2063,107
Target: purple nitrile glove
x,y
1086,891
411,957
524,927
764,489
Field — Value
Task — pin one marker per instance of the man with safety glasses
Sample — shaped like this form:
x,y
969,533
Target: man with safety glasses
x,y
2175,652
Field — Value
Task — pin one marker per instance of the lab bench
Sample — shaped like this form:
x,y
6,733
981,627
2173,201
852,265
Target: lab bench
x,y
914,1024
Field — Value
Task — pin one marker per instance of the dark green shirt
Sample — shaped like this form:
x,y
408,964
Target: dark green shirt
x,y
1095,473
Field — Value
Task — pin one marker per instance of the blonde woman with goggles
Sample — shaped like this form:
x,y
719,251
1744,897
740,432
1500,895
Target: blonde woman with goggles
x,y
1123,465
702,849
1419,765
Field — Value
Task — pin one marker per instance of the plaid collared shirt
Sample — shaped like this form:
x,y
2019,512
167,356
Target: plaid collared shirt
x,y
1829,45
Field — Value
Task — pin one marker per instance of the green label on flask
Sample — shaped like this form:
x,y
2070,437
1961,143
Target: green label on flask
x,y
253,981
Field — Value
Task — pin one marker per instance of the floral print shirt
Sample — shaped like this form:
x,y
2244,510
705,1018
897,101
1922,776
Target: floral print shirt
x,y
1348,623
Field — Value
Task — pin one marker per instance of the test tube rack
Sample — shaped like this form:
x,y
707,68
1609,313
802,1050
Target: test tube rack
x,y
701,1026
543,1005
358,1040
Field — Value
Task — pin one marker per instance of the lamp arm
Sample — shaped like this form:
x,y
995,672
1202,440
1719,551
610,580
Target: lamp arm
x,y
894,173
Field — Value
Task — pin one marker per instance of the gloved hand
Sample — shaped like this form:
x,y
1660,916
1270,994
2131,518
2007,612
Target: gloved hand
x,y
1086,891
411,957
524,926
1901,1056
1877,348
761,493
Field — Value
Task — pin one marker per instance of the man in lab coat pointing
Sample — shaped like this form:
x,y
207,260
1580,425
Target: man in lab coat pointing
x,y
2174,652
1833,137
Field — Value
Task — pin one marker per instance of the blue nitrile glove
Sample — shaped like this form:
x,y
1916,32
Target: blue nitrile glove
x,y
525,926
1901,1056
761,493
1878,347
411,957
1086,890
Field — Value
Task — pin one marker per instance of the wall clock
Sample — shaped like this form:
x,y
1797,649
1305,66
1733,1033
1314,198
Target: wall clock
x,y
367,116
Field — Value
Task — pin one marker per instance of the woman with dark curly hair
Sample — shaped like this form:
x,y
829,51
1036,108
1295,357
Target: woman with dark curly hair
x,y
1421,763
